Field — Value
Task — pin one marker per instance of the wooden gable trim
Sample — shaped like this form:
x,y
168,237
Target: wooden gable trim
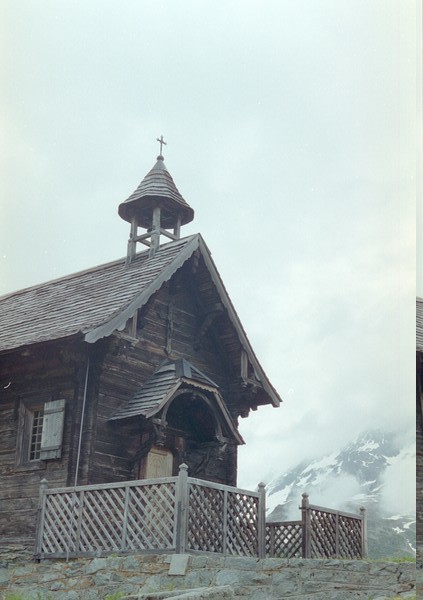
x,y
220,403
119,320
164,400
184,384
267,386
190,385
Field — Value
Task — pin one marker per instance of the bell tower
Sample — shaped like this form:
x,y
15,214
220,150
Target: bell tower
x,y
157,206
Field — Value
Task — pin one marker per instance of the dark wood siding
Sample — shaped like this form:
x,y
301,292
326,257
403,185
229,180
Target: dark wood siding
x,y
41,374
167,328
183,319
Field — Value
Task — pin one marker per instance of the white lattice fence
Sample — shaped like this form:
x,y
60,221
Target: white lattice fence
x,y
58,531
88,520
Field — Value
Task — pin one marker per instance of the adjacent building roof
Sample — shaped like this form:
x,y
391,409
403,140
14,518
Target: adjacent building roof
x,y
96,302
419,324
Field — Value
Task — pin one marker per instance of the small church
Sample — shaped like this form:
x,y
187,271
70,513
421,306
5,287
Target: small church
x,y
126,370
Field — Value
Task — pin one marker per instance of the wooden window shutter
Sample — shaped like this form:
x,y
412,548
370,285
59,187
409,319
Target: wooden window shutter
x,y
51,439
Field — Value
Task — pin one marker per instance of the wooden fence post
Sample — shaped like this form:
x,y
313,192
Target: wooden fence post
x,y
363,514
225,523
123,539
306,523
261,521
40,517
182,509
81,497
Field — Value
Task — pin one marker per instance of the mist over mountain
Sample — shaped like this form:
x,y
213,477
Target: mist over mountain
x,y
375,471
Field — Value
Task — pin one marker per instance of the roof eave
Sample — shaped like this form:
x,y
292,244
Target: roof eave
x,y
72,337
267,386
118,321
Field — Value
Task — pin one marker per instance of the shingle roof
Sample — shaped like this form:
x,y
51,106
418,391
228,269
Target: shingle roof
x,y
160,388
419,325
149,398
96,302
157,187
86,301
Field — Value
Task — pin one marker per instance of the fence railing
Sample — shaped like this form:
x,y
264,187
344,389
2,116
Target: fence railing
x,y
284,539
89,520
183,514
321,533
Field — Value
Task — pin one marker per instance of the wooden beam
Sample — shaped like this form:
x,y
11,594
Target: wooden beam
x,y
131,242
155,234
167,233
244,365
141,237
133,325
177,228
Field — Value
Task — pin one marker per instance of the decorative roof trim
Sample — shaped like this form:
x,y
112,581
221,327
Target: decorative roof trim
x,y
190,384
166,398
119,320
267,386
180,386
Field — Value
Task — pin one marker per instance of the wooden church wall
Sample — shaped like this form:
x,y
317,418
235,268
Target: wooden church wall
x,y
172,325
167,328
33,377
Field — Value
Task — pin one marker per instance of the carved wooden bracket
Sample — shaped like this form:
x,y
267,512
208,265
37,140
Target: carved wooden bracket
x,y
160,429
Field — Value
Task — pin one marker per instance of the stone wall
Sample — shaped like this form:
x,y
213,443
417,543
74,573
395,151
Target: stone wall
x,y
250,578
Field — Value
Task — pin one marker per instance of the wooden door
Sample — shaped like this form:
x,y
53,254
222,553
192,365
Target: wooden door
x,y
159,463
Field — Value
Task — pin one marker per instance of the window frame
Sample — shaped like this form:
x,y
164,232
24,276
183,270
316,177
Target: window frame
x,y
35,433
52,411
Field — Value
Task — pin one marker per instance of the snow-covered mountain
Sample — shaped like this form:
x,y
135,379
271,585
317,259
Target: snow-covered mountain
x,y
372,471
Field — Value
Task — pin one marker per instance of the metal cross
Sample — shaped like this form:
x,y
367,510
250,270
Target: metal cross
x,y
162,143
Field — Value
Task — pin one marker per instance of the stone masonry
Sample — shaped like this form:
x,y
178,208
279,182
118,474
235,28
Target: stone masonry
x,y
144,575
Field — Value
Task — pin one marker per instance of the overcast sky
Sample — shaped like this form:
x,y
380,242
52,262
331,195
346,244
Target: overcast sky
x,y
292,132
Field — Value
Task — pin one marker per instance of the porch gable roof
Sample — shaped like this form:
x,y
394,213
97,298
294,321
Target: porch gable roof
x,y
161,387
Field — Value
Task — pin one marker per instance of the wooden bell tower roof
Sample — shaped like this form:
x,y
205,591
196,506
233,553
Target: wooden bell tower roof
x,y
157,206
156,189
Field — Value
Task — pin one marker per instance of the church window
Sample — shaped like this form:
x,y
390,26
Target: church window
x,y
40,431
36,434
